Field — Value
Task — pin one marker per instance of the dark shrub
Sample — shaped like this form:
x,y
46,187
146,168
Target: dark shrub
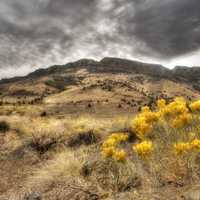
x,y
42,145
43,114
132,137
4,127
89,105
119,106
82,139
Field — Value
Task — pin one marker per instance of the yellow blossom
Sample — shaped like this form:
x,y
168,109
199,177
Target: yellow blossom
x,y
141,126
146,109
119,155
161,103
143,149
195,144
177,107
110,142
191,135
108,151
143,123
119,137
182,147
114,139
195,106
151,117
109,147
181,120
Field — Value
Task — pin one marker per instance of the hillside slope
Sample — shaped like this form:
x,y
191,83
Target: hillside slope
x,y
111,84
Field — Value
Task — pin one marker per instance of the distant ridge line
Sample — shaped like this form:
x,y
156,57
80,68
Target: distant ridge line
x,y
116,65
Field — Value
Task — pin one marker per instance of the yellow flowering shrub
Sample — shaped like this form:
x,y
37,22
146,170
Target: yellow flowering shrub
x,y
140,126
177,107
144,149
191,136
145,109
161,103
185,147
119,155
181,120
195,144
195,106
182,147
119,137
110,142
143,123
169,128
114,139
109,147
108,151
176,112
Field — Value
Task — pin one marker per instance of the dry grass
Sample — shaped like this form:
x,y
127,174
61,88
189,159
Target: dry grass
x,y
51,168
63,167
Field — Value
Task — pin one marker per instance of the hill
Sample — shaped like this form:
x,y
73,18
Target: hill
x,y
110,84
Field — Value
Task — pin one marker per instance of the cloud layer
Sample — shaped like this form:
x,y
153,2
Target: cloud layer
x,y
40,33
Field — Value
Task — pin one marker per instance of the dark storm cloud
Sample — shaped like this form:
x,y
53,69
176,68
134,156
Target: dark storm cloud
x,y
170,27
39,33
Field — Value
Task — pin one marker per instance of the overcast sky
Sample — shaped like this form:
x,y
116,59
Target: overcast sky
x,y
40,33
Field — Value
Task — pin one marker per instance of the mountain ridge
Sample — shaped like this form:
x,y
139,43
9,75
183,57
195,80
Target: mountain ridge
x,y
116,65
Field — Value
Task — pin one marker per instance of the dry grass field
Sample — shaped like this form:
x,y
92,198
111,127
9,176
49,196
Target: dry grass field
x,y
127,156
